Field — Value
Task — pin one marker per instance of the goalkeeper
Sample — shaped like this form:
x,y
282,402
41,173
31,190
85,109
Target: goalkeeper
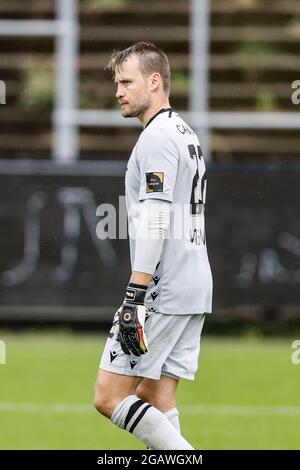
x,y
155,337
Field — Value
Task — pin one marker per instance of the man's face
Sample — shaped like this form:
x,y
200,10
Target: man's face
x,y
132,88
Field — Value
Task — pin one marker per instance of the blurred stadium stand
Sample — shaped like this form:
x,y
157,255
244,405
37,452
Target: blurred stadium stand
x,y
252,219
254,59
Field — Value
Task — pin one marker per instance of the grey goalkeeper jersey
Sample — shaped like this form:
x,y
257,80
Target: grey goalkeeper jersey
x,y
167,164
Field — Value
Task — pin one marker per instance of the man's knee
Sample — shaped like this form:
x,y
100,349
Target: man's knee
x,y
110,389
104,402
105,398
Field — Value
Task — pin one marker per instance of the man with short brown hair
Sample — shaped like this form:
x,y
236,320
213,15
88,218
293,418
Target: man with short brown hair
x,y
155,337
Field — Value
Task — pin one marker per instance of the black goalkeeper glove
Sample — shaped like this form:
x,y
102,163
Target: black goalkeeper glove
x,y
131,321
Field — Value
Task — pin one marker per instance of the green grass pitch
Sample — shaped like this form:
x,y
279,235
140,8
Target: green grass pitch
x,y
245,396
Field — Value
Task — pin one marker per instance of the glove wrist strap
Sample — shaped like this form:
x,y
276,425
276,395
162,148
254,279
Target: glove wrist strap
x,y
135,293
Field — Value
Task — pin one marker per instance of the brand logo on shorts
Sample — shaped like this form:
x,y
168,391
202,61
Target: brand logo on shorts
x,y
133,364
113,355
154,295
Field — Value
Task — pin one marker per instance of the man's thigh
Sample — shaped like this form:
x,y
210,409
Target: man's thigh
x,y
117,384
111,388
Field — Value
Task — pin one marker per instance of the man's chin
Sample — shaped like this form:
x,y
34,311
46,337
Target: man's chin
x,y
127,114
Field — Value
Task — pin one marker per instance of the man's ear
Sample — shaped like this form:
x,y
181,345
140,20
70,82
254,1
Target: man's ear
x,y
155,81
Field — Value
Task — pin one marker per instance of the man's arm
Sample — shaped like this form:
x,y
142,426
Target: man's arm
x,y
140,278
153,230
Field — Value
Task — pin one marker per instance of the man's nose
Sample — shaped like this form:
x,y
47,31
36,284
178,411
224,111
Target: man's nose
x,y
119,92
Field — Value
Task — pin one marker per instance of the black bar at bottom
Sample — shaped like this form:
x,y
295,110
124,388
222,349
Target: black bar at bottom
x,y
134,459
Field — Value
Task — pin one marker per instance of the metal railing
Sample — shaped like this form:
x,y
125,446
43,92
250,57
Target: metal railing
x,y
198,114
65,31
67,117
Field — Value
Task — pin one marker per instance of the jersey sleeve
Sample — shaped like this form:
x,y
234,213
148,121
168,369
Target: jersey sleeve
x,y
158,158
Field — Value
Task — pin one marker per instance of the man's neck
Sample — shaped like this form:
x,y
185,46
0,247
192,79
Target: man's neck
x,y
145,118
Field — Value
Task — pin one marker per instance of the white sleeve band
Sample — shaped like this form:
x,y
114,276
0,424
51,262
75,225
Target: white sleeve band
x,y
153,229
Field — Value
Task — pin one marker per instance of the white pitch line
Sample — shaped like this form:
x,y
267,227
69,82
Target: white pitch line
x,y
238,410
242,410
45,407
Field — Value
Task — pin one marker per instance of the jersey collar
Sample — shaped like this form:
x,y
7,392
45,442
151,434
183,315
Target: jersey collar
x,y
163,110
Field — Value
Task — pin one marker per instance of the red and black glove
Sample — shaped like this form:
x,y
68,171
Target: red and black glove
x,y
132,314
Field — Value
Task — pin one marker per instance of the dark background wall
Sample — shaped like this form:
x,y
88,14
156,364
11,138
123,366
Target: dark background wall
x,y
50,255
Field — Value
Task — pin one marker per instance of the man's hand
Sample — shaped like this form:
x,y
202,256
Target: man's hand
x,y
131,321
